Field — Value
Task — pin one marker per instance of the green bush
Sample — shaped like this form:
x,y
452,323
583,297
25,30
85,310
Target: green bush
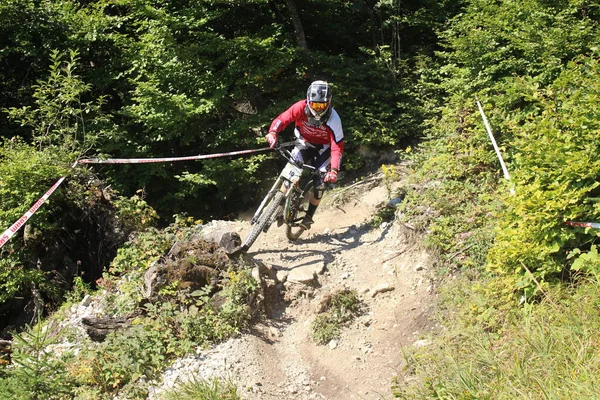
x,y
122,359
338,310
555,173
170,328
535,69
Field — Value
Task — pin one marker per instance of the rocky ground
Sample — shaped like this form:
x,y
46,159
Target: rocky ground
x,y
386,265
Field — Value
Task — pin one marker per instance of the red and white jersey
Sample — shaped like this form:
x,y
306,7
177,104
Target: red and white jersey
x,y
330,133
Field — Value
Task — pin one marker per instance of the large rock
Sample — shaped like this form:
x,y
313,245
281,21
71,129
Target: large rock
x,y
228,240
307,270
98,328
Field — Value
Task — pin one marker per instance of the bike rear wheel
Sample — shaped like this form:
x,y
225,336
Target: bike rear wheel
x,y
298,206
265,219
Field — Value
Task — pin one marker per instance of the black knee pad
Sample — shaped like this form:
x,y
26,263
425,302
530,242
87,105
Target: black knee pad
x,y
317,193
318,187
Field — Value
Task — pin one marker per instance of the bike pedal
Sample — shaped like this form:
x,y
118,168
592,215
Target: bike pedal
x,y
279,221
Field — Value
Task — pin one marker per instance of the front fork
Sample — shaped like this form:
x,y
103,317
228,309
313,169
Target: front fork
x,y
280,184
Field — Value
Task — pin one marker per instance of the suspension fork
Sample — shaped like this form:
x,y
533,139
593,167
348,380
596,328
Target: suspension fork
x,y
280,184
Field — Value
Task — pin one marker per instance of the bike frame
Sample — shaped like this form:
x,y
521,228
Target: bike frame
x,y
288,177
283,201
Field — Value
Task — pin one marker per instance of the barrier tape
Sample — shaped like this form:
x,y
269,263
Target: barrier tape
x,y
21,221
157,160
594,225
8,234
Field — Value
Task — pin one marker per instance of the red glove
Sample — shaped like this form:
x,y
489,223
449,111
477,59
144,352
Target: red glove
x,y
331,176
271,139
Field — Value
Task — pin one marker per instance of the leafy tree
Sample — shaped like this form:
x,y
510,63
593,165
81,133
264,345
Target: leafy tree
x,y
60,117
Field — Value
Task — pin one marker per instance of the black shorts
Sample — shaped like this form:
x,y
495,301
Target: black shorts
x,y
317,155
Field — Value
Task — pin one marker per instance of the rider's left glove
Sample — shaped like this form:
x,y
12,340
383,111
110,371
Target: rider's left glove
x,y
331,176
271,139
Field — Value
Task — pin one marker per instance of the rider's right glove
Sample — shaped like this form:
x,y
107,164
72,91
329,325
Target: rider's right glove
x,y
331,176
271,139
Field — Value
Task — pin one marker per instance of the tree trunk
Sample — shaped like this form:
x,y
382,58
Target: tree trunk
x,y
370,5
298,28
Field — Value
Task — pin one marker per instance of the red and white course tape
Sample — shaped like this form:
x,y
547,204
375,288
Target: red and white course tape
x,y
158,160
21,221
594,225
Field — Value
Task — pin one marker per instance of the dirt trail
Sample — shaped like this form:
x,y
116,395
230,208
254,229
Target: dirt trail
x,y
280,360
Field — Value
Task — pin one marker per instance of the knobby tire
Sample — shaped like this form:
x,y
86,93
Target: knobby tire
x,y
266,218
293,231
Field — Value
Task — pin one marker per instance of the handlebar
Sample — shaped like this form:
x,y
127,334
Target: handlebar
x,y
288,155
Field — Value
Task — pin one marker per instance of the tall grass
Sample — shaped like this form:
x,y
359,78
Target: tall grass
x,y
550,350
202,389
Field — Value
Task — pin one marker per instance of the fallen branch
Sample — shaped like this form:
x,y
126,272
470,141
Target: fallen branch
x,y
397,253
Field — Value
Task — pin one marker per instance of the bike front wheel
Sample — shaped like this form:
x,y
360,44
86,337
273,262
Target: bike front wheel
x,y
297,207
265,219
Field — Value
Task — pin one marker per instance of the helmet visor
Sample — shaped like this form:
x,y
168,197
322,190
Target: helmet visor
x,y
318,107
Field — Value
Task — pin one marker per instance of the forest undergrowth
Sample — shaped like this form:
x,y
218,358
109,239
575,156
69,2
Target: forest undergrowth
x,y
139,78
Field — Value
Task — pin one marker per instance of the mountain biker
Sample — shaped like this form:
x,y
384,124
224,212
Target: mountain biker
x,y
320,138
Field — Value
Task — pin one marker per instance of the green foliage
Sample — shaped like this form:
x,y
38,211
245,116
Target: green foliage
x,y
15,277
123,358
384,214
37,373
588,263
493,41
201,318
179,78
139,253
389,176
30,32
59,117
198,388
135,212
452,205
133,259
79,290
26,175
379,115
338,310
556,172
534,65
183,100
174,325
520,59
170,328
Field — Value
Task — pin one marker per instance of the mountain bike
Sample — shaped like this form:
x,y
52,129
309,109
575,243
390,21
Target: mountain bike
x,y
287,201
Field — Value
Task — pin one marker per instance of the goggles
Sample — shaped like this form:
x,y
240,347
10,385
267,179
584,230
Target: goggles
x,y
318,107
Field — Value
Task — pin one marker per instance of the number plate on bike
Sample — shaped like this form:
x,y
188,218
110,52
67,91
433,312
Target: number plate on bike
x,y
292,172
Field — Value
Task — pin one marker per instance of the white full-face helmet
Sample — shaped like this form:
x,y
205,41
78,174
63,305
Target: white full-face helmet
x,y
318,99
